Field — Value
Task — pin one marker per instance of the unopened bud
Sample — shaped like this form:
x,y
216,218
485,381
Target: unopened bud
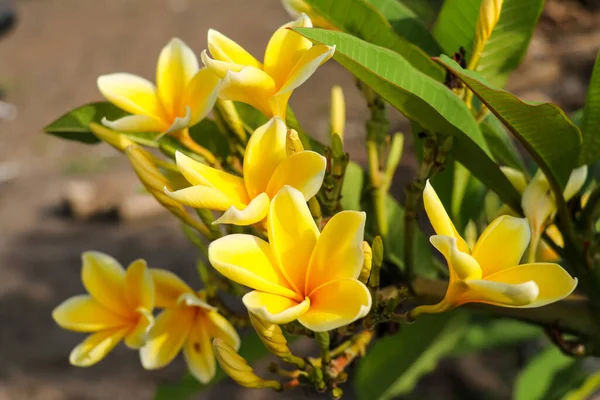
x,y
293,142
471,233
231,118
155,182
236,367
115,139
271,336
377,250
489,14
367,263
337,112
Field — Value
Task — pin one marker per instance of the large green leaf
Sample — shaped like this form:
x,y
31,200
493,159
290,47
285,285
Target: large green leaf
x,y
455,26
75,125
543,129
207,134
501,144
590,125
506,47
252,349
548,376
362,20
421,99
394,365
406,24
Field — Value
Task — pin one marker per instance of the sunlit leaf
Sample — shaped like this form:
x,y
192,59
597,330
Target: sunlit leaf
x,y
455,25
501,144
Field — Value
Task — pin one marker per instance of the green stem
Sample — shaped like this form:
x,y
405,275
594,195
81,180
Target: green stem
x,y
323,340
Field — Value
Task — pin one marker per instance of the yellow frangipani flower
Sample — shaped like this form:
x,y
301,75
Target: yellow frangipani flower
x,y
295,8
119,306
539,204
267,168
184,94
300,274
290,59
490,272
187,322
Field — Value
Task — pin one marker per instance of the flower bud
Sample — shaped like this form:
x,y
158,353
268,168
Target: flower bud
x,y
368,261
231,117
377,251
489,14
155,182
271,336
115,139
293,142
238,369
337,112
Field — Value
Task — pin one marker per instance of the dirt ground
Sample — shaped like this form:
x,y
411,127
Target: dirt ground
x,y
49,64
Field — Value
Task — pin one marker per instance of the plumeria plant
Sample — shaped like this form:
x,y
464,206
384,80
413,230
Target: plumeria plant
x,y
315,247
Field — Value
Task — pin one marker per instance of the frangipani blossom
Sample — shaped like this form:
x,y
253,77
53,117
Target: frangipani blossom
x,y
187,322
300,274
290,59
539,205
295,8
267,168
119,306
184,94
490,272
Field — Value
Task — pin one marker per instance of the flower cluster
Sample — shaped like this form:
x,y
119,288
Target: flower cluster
x,y
306,272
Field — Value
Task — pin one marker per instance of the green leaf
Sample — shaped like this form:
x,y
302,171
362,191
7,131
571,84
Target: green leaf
x,y
362,20
394,365
500,143
74,125
251,117
455,25
506,47
493,333
548,376
252,349
543,129
590,124
421,99
406,24
207,134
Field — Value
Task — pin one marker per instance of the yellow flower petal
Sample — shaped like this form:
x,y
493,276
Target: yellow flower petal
x,y
167,337
139,287
177,64
251,86
248,260
180,121
461,265
224,49
303,171
516,177
138,335
538,203
84,314
168,287
278,104
441,222
575,182
338,253
202,197
502,244
220,68
265,151
219,327
336,304
292,234
95,347
285,49
306,66
500,293
254,212
200,174
201,93
194,300
553,281
274,308
136,123
104,279
131,93
198,351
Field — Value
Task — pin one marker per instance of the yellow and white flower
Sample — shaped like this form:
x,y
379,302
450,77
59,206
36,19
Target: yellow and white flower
x,y
187,322
184,94
490,272
300,274
119,306
290,59
267,168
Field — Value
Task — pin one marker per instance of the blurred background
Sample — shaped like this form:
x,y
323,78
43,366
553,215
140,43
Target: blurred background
x,y
59,198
